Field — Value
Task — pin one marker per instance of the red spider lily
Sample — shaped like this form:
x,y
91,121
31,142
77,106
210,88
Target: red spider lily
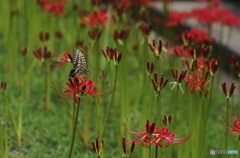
x,y
82,85
181,50
175,18
163,135
157,136
57,7
144,138
198,36
233,126
135,3
64,59
197,80
96,18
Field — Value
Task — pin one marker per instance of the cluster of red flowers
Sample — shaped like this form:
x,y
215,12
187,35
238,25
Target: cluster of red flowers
x,y
160,136
196,35
56,7
96,18
212,13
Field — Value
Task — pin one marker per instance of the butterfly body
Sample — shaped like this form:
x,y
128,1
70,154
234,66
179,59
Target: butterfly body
x,y
79,64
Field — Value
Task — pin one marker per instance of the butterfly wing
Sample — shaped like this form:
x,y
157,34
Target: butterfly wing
x,y
79,63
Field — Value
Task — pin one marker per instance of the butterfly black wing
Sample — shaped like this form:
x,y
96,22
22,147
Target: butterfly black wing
x,y
79,64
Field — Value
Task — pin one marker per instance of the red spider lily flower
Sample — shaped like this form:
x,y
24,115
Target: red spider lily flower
x,y
163,135
82,85
181,50
64,59
197,80
157,136
96,18
135,3
56,7
175,18
205,16
198,36
232,126
224,88
144,138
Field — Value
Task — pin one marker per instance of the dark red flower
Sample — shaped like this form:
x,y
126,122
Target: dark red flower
x,y
144,138
232,125
196,81
175,18
160,136
96,18
64,59
165,137
82,85
198,36
56,7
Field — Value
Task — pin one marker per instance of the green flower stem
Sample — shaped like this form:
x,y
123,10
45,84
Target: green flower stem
x,y
111,103
74,130
150,152
13,121
47,86
156,152
227,120
159,108
175,108
4,133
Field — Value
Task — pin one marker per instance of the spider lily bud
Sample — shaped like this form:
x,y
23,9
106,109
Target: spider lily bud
x,y
98,148
224,88
167,120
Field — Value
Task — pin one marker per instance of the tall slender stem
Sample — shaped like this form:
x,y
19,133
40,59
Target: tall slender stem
x,y
227,120
175,109
110,105
156,152
47,86
74,130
